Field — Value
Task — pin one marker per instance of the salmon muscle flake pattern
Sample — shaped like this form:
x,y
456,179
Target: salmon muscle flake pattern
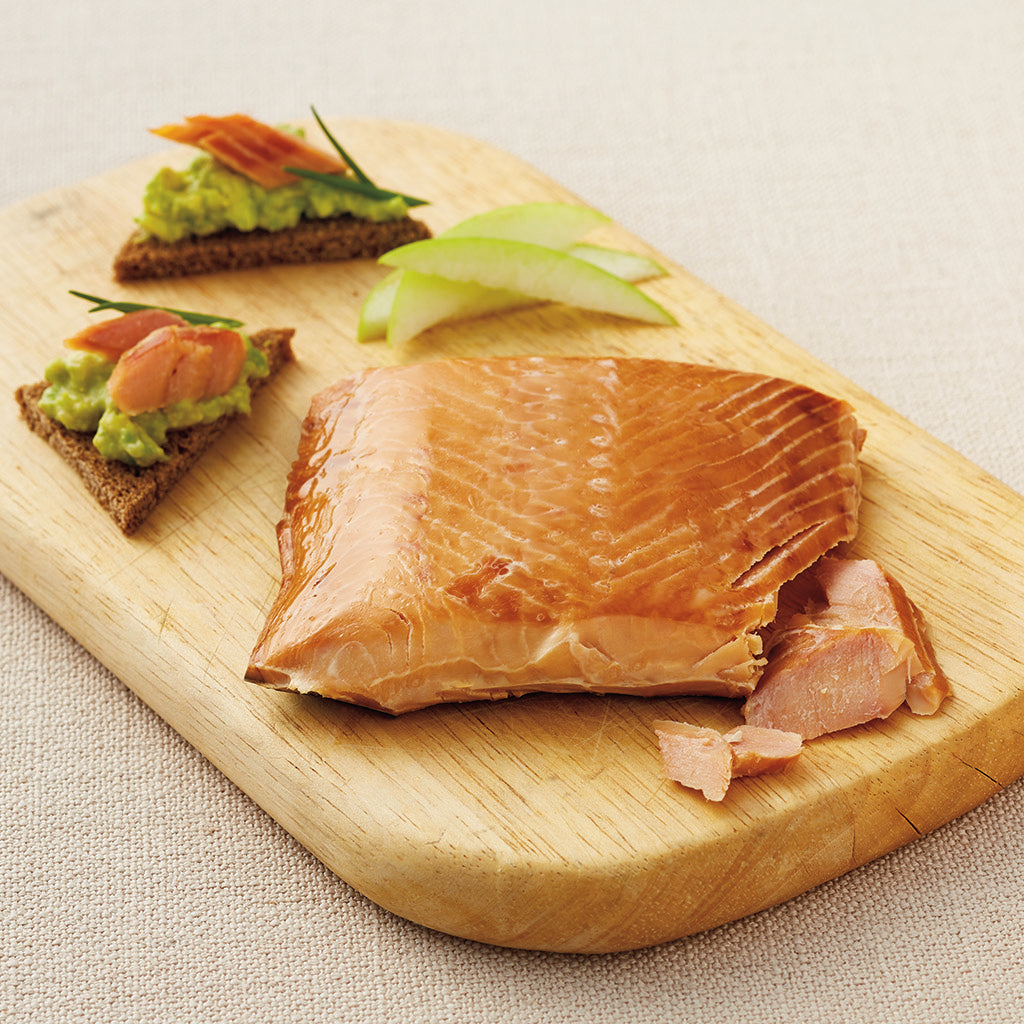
x,y
856,652
478,528
757,751
252,148
696,757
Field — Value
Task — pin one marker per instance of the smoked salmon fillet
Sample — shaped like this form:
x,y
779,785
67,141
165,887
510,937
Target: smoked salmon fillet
x,y
478,528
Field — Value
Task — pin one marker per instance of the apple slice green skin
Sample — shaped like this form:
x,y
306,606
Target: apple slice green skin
x,y
630,266
553,224
556,225
423,300
376,308
464,300
532,270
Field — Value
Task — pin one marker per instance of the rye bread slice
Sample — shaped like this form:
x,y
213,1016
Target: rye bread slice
x,y
130,493
311,241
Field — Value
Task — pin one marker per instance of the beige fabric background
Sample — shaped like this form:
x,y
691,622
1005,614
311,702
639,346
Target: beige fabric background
x,y
853,173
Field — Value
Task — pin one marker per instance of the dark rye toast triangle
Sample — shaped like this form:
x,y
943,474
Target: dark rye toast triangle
x,y
343,237
128,493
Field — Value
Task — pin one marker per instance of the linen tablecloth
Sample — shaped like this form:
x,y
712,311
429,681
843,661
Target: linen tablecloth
x,y
852,173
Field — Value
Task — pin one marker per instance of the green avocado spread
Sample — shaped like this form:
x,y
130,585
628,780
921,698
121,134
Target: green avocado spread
x,y
208,196
77,398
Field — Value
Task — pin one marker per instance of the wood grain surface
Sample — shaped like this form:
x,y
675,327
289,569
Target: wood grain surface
x,y
543,822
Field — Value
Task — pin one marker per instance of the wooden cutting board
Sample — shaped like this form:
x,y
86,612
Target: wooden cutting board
x,y
542,822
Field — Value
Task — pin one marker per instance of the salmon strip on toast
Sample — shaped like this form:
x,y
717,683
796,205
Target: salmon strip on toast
x,y
257,150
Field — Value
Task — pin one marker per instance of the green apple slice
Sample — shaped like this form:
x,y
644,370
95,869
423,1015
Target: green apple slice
x,y
630,266
553,224
532,270
376,308
420,301
464,299
423,300
556,225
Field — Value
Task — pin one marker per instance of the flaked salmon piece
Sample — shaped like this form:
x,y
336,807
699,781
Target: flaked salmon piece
x,y
696,757
252,148
187,376
174,364
823,680
702,758
112,338
141,378
228,357
757,751
855,653
860,592
477,528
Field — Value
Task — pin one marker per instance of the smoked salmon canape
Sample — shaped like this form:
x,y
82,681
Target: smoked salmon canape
x,y
135,400
256,195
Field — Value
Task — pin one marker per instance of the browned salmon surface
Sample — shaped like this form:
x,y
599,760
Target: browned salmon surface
x,y
856,652
478,528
